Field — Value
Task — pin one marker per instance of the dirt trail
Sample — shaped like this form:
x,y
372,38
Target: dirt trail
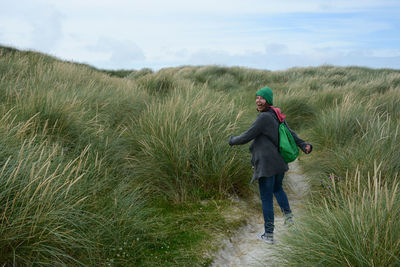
x,y
244,248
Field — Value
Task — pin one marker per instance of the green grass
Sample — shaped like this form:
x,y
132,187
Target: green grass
x,y
186,233
353,219
102,167
42,214
183,151
357,226
75,189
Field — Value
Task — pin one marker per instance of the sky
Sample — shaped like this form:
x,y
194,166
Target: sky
x,y
261,34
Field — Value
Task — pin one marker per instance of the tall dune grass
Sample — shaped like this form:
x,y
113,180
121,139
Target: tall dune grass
x,y
64,179
42,219
101,170
354,217
357,132
357,226
183,150
71,193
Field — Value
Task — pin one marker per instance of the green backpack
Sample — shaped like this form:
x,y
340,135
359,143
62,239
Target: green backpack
x,y
287,145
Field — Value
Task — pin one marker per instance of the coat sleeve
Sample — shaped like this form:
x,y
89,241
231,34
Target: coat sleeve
x,y
251,133
299,142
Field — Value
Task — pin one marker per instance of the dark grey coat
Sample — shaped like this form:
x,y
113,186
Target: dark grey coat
x,y
266,159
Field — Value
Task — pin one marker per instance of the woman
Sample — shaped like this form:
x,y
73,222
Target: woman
x,y
269,166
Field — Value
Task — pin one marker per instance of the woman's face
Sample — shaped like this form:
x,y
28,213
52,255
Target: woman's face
x,y
261,103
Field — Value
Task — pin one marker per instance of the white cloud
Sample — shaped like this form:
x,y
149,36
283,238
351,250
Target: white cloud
x,y
121,53
277,57
154,33
222,7
29,25
15,35
276,48
47,30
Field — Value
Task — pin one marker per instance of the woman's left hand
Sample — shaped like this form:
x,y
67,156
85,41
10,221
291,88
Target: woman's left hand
x,y
308,149
230,140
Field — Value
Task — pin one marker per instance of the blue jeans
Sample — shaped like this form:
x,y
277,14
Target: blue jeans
x,y
270,186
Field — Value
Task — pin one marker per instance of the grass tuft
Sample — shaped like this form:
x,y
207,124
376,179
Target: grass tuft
x,y
357,226
183,147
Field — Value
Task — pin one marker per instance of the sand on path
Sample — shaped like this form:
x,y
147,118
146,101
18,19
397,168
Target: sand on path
x,y
244,248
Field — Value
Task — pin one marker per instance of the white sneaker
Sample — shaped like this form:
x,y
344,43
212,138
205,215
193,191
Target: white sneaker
x,y
267,238
288,220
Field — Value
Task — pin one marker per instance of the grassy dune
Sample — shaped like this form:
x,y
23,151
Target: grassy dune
x,y
97,169
132,167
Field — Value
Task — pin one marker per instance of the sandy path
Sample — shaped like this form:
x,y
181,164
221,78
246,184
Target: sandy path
x,y
244,248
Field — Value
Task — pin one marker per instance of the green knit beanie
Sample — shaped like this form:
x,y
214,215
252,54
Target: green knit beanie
x,y
267,94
